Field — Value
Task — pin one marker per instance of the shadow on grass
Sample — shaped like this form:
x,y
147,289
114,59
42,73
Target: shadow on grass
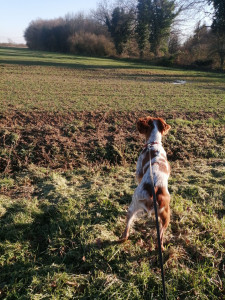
x,y
112,63
51,243
200,77
56,237
76,65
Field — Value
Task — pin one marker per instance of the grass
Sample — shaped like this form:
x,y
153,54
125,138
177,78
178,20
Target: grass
x,y
60,242
67,178
31,80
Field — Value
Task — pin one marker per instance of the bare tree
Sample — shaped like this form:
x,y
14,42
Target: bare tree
x,y
189,13
105,8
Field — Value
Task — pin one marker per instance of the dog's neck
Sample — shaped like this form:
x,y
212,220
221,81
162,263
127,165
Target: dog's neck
x,y
155,137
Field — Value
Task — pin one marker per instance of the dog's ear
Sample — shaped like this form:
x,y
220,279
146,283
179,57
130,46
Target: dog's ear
x,y
143,125
163,126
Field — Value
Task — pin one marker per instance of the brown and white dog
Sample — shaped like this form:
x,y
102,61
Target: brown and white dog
x,y
153,129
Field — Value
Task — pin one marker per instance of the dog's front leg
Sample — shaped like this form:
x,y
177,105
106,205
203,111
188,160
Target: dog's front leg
x,y
130,217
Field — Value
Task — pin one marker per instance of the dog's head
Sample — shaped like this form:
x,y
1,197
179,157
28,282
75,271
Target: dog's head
x,y
146,125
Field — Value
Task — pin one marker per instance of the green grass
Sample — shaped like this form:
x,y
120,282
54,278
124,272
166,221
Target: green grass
x,y
48,81
60,243
68,177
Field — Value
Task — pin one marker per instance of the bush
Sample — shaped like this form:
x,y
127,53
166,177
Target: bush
x,y
166,61
76,34
85,43
206,63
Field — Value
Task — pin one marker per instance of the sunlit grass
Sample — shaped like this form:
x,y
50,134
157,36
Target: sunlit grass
x,y
48,81
61,242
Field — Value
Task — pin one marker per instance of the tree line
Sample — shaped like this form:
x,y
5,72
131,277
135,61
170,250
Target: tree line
x,y
148,29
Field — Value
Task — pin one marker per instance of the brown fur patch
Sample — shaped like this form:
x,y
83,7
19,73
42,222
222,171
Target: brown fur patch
x,y
163,126
148,188
145,125
164,166
146,159
162,195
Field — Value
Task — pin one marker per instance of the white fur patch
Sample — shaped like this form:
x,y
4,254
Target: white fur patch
x,y
151,212
161,209
160,178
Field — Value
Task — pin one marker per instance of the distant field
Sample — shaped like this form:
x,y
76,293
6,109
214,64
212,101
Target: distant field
x,y
68,149
55,82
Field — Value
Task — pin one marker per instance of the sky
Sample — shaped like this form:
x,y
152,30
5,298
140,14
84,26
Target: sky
x,y
16,15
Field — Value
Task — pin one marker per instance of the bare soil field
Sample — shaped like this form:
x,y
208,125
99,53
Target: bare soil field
x,y
65,141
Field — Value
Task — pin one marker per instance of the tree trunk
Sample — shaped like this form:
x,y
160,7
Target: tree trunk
x,y
222,58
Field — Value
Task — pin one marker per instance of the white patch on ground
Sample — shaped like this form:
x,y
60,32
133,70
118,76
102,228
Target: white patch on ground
x,y
179,82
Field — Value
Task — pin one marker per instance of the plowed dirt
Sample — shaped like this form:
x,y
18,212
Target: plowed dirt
x,y
65,141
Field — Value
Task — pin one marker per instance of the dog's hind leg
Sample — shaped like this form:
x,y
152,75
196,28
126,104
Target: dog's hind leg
x,y
164,222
